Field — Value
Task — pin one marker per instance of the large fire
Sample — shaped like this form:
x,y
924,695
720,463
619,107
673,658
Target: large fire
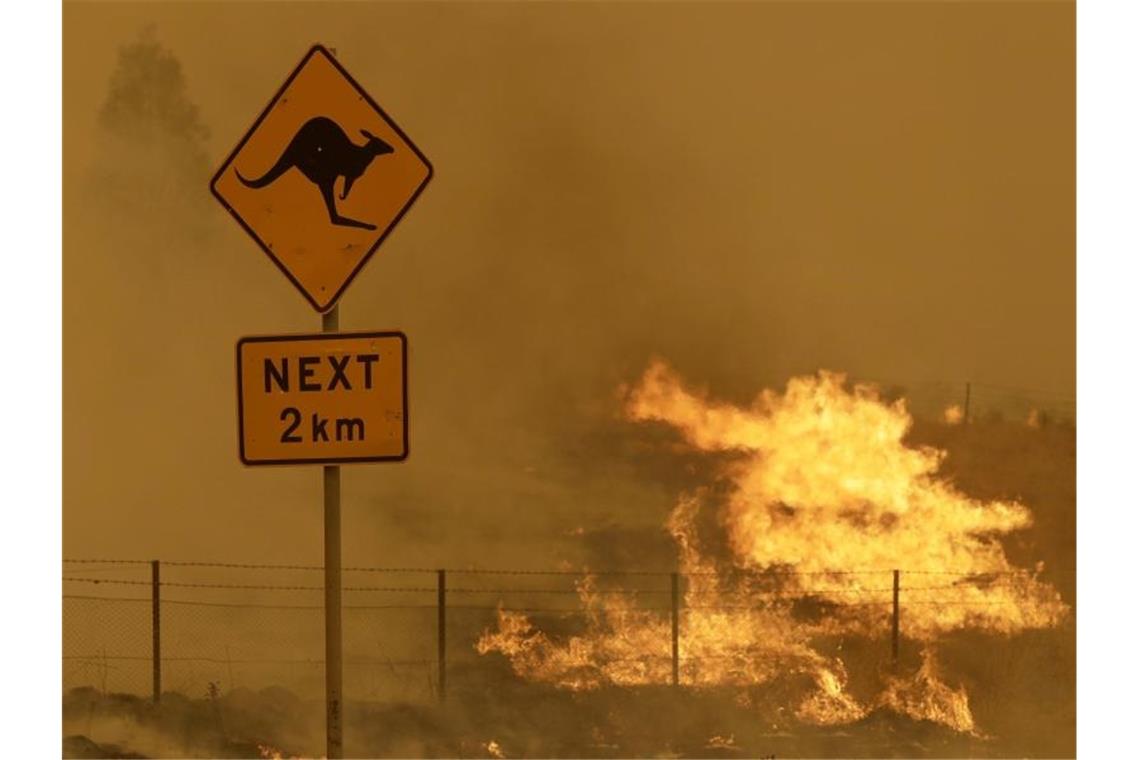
x,y
827,502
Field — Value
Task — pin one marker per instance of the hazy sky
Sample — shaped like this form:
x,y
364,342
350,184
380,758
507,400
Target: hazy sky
x,y
750,191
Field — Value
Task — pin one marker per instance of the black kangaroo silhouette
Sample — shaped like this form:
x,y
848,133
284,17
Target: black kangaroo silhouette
x,y
322,152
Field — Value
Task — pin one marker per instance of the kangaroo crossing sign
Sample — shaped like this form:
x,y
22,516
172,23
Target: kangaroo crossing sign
x,y
314,399
321,178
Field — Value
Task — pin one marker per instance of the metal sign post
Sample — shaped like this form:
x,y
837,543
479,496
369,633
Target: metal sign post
x,y
319,181
334,666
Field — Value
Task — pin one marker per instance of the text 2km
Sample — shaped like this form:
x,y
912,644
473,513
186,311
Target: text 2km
x,y
344,428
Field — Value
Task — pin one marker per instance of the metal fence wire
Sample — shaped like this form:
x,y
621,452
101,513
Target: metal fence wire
x,y
223,627
198,628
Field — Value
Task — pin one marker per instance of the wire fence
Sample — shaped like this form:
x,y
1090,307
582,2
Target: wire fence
x,y
980,402
197,628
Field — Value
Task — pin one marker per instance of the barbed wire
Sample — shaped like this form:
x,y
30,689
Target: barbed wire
x,y
795,593
97,659
146,599
276,633
959,385
252,605
584,609
251,586
731,572
1009,389
108,561
976,573
964,602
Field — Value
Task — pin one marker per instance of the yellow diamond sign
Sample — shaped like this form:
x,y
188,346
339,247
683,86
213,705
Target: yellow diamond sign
x,y
321,178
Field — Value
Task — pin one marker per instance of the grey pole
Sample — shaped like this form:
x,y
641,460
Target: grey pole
x,y
334,715
442,634
676,629
895,623
155,629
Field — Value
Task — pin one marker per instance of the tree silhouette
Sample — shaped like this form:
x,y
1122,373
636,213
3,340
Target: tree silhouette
x,y
152,149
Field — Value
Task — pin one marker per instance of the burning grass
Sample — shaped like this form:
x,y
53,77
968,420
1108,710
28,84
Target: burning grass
x,y
826,498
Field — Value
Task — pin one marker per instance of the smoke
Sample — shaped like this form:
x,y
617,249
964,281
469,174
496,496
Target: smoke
x,y
657,195
236,724
727,186
153,144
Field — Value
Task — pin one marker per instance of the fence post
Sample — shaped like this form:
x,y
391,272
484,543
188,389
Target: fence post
x,y
156,636
895,624
676,628
966,408
441,629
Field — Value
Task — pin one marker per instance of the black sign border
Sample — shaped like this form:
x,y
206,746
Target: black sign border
x,y
321,336
314,50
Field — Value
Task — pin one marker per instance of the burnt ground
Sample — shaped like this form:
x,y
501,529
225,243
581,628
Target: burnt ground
x,y
1017,716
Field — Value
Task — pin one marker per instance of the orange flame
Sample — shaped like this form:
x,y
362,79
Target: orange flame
x,y
925,697
269,752
952,415
827,500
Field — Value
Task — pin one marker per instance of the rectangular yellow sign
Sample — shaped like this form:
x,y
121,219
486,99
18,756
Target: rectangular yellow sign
x,y
328,398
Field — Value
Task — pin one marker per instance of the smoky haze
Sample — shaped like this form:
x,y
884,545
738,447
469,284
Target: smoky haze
x,y
751,191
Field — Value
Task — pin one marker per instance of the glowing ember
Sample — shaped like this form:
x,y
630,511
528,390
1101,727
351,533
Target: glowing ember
x,y
720,742
952,415
493,749
268,752
827,499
